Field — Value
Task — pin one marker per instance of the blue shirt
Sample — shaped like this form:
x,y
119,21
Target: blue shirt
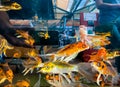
x,y
108,16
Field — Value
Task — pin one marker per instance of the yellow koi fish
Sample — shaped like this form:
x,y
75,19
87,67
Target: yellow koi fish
x,y
32,63
63,68
98,40
10,6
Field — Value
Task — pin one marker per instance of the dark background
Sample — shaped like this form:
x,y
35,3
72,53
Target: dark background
x,y
43,8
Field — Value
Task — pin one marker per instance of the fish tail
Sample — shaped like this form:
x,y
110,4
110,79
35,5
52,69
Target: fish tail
x,y
37,84
107,34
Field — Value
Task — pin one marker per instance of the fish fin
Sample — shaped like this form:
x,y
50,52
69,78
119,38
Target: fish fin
x,y
67,59
98,79
37,84
84,72
68,80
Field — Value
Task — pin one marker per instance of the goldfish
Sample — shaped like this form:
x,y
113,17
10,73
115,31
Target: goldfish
x,y
2,76
15,53
9,75
18,52
52,77
103,34
32,53
22,83
69,52
8,72
59,81
46,35
103,69
112,54
76,76
24,34
99,55
10,6
97,40
4,45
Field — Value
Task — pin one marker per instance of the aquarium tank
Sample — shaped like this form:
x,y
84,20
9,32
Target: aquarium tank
x,y
58,43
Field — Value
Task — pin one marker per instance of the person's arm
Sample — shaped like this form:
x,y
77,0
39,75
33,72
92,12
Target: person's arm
x,y
8,31
101,5
4,20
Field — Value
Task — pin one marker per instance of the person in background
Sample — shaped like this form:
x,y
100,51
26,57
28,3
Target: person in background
x,y
109,20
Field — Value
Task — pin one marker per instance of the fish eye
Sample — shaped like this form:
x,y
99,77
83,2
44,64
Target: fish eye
x,y
98,64
83,45
47,67
103,66
16,6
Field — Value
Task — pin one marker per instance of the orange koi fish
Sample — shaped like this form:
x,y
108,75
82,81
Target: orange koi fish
x,y
99,55
59,81
23,83
69,52
24,34
18,52
8,72
76,77
94,55
103,69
